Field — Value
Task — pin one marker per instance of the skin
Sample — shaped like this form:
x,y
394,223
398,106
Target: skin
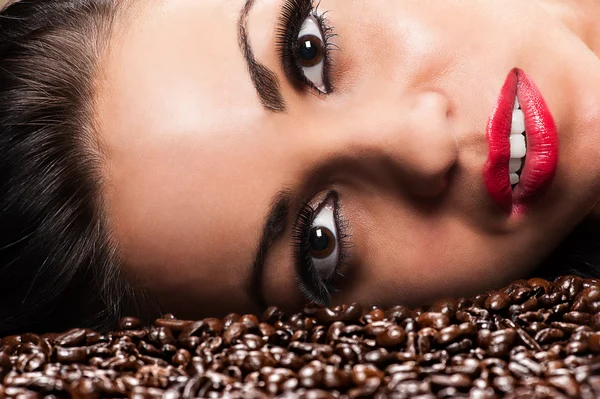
x,y
194,160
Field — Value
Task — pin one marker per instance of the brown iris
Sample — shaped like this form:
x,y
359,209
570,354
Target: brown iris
x,y
311,50
322,242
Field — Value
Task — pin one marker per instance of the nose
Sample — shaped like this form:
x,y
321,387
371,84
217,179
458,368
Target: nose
x,y
426,147
413,135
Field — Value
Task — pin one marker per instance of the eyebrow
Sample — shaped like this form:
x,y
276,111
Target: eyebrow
x,y
273,230
265,80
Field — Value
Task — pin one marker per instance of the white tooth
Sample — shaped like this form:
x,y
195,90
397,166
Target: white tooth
x,y
514,179
517,146
518,122
514,165
517,105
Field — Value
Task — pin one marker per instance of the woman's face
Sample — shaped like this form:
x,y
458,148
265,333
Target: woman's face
x,y
231,178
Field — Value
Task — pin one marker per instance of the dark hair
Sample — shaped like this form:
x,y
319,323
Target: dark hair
x,y
58,263
578,254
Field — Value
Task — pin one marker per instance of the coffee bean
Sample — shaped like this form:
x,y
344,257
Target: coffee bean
x,y
311,375
530,339
361,373
173,325
497,301
71,355
129,323
181,358
161,336
449,334
568,286
549,335
433,319
251,321
317,394
455,380
346,313
566,383
374,315
334,331
271,315
30,362
74,337
392,336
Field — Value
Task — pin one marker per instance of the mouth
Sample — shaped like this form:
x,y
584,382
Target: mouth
x,y
523,146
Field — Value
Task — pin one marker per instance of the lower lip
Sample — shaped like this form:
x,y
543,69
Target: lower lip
x,y
541,160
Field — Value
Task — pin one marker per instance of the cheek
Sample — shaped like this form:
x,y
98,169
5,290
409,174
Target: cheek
x,y
413,256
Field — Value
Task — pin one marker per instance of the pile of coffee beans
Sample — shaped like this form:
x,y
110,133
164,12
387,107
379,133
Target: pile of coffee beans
x,y
532,339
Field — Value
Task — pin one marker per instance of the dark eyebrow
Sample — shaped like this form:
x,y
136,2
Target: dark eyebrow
x,y
273,230
265,81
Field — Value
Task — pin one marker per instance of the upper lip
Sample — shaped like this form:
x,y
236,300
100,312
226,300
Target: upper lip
x,y
542,145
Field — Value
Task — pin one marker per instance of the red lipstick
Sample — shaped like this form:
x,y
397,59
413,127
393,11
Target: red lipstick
x,y
541,160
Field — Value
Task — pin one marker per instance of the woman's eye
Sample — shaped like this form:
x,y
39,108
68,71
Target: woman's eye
x,y
311,53
323,241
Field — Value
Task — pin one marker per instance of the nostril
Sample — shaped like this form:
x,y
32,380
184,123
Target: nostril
x,y
428,166
438,152
433,187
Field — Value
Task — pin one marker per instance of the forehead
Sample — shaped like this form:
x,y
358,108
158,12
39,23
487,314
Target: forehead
x,y
175,107
178,47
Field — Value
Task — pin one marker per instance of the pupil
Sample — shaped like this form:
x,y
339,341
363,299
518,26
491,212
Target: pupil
x,y
319,240
308,50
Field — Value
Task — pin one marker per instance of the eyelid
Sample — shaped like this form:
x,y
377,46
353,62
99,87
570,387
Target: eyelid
x,y
312,285
293,15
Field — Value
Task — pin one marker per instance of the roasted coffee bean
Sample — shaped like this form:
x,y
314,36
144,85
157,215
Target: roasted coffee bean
x,y
361,373
129,323
577,317
71,355
461,346
454,380
296,321
233,332
498,301
161,336
230,319
5,361
250,321
468,366
378,357
346,313
317,394
374,315
530,339
333,378
334,332
148,349
271,315
433,319
449,334
74,337
565,383
172,324
447,307
30,362
181,358
543,285
568,286
398,314
549,335
392,336
311,375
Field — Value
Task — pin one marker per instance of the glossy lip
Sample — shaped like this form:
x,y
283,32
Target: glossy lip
x,y
542,146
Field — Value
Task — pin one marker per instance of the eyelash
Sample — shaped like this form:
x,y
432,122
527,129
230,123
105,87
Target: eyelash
x,y
294,13
312,285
